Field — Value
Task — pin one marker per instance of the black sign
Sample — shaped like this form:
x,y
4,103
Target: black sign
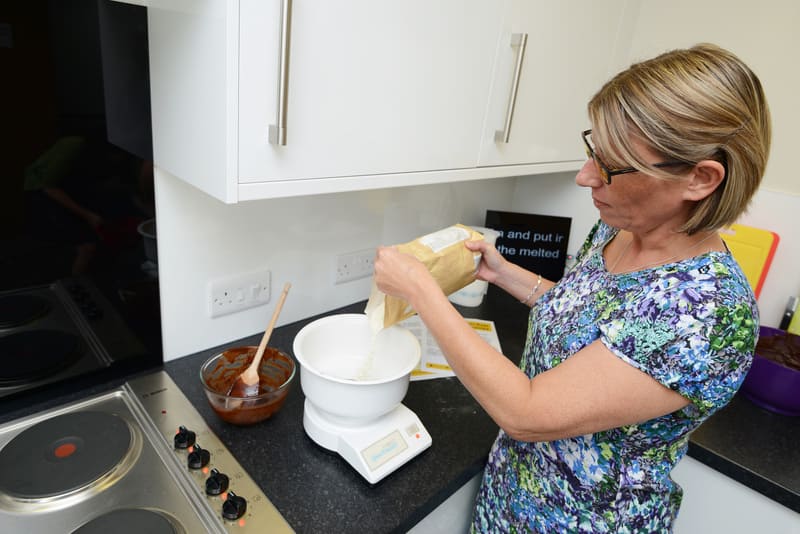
x,y
536,242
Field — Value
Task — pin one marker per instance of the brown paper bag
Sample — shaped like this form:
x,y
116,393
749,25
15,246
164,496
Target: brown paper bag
x,y
451,264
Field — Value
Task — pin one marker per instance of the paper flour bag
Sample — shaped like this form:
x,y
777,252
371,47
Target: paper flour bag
x,y
451,264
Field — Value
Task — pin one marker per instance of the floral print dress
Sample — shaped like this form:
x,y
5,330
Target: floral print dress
x,y
691,325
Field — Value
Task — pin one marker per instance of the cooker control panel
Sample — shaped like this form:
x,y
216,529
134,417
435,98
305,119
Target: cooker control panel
x,y
222,487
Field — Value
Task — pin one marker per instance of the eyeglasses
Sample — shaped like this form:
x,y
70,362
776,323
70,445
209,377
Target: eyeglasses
x,y
606,173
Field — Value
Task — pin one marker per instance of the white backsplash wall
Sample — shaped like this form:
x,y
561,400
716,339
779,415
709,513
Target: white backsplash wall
x,y
557,194
297,239
761,33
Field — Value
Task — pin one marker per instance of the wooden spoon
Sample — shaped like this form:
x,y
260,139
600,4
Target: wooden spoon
x,y
247,383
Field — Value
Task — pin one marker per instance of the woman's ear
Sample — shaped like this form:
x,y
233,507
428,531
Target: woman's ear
x,y
706,176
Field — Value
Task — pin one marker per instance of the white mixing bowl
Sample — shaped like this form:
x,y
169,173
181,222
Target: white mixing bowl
x,y
348,376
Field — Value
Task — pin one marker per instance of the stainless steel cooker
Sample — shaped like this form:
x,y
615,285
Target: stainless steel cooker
x,y
138,458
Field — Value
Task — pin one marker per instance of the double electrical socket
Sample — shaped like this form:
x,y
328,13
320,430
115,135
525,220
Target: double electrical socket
x,y
354,265
236,293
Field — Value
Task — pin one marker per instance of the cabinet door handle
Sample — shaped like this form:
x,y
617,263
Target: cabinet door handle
x,y
277,132
518,41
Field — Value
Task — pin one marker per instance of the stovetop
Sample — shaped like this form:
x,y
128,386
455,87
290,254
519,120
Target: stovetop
x,y
138,458
51,333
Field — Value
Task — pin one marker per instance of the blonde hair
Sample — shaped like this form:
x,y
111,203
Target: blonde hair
x,y
690,105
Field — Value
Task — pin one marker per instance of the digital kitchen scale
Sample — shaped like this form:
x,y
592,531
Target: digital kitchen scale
x,y
376,448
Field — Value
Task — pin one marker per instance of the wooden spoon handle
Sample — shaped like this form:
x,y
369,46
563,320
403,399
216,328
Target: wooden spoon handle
x,y
268,332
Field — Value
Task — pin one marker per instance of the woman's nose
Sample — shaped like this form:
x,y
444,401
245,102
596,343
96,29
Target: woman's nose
x,y
588,175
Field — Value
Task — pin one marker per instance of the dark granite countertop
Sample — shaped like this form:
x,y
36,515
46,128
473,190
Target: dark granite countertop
x,y
753,446
317,491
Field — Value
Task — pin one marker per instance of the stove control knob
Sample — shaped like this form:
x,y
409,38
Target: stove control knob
x,y
184,438
198,458
234,507
216,483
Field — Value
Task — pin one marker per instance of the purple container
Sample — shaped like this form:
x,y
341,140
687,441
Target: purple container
x,y
771,385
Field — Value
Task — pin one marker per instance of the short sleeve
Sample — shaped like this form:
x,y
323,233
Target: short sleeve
x,y
693,331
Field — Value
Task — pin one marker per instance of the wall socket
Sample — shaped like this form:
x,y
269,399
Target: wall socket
x,y
236,293
354,265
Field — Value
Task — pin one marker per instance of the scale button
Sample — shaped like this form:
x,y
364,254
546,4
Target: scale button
x,y
412,429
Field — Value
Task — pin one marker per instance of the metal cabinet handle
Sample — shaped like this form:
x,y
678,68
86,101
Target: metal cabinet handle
x,y
277,132
519,41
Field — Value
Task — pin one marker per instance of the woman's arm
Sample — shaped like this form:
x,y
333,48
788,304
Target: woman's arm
x,y
593,390
518,282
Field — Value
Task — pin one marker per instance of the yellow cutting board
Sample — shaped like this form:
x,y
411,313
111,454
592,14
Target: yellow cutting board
x,y
753,249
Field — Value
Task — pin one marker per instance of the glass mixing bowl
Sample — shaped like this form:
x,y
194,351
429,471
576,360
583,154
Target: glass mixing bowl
x,y
220,371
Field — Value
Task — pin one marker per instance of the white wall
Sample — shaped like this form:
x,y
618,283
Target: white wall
x,y
297,239
764,34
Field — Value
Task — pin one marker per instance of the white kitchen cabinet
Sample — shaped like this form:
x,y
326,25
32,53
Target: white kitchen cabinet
x,y
374,87
572,47
377,93
712,502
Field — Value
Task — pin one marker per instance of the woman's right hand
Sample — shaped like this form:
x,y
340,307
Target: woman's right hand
x,y
400,275
492,262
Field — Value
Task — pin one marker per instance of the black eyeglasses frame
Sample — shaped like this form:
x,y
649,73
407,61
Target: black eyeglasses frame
x,y
606,173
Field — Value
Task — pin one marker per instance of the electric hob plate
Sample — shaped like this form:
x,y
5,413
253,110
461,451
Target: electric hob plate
x,y
66,454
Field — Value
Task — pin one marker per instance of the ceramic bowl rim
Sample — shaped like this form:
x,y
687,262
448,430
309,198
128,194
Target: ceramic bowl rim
x,y
305,367
264,396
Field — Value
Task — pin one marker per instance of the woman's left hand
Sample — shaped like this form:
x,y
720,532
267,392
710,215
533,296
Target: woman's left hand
x,y
400,275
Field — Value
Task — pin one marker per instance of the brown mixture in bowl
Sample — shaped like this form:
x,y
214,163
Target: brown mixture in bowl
x,y
782,348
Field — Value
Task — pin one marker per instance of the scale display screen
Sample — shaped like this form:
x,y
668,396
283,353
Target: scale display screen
x,y
384,450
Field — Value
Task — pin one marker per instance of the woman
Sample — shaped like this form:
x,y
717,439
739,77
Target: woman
x,y
651,331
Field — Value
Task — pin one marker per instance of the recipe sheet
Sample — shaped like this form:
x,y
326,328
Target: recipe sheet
x,y
433,364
